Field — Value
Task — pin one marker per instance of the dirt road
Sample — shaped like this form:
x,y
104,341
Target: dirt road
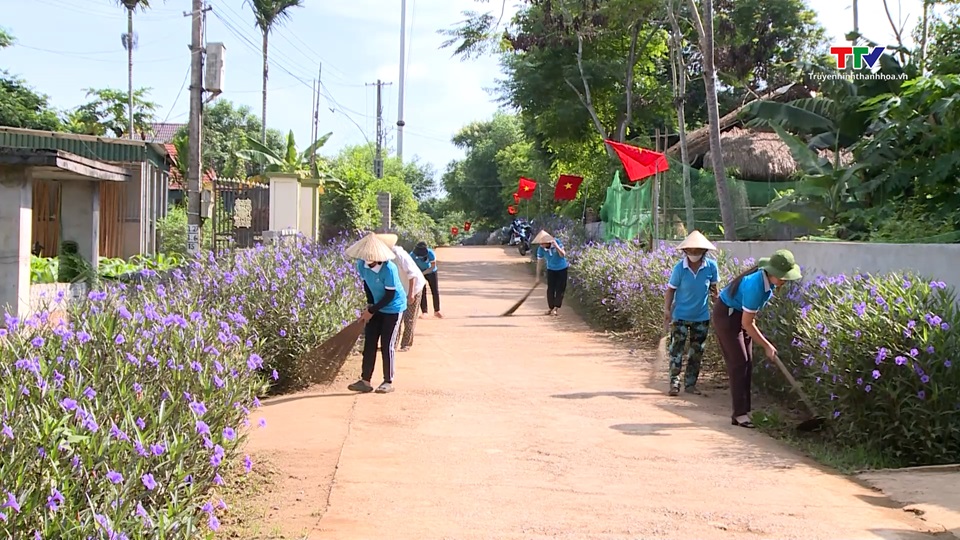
x,y
532,427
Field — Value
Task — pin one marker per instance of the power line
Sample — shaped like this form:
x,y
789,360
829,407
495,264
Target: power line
x,y
82,56
176,99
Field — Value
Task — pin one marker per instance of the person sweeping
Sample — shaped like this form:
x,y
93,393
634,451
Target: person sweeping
x,y
386,300
413,282
550,252
686,309
426,260
734,321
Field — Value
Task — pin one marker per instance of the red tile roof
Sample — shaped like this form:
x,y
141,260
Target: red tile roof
x,y
163,133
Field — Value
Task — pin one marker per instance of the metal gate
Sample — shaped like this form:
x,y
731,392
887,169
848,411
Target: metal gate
x,y
241,214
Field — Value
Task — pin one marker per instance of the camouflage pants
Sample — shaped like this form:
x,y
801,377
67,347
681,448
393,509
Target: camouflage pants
x,y
696,334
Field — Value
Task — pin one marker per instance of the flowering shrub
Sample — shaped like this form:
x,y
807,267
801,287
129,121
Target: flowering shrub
x,y
297,295
875,353
121,422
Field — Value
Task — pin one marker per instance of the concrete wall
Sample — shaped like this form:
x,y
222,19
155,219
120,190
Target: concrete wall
x,y
16,226
284,202
939,262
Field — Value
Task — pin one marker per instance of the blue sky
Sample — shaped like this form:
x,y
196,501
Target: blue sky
x,y
65,46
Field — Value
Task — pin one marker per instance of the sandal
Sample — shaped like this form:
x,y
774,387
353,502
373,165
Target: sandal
x,y
748,424
674,390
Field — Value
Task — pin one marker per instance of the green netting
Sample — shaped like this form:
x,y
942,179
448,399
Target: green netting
x,y
626,210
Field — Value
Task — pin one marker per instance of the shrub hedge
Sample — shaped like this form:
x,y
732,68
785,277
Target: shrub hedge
x,y
121,422
875,353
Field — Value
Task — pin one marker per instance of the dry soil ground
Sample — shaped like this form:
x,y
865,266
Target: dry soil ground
x,y
532,427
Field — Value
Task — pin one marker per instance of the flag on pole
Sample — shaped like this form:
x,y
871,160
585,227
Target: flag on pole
x,y
567,187
516,198
466,226
639,162
526,189
512,210
454,231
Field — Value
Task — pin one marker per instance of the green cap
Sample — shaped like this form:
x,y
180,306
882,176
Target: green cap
x,y
781,265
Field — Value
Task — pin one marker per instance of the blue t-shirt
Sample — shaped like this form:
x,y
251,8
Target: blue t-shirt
x,y
754,292
555,261
423,262
690,302
387,277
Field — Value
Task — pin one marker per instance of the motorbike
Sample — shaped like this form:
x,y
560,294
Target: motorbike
x,y
526,232
516,230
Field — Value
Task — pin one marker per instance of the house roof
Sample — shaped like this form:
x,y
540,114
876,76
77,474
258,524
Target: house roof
x,y
163,132
698,140
176,182
762,155
88,146
60,165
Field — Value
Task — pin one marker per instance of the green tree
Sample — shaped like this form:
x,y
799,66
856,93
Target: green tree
x,y
497,154
268,14
226,131
306,164
106,113
20,105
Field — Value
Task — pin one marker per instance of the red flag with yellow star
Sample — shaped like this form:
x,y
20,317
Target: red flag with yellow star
x,y
567,187
526,189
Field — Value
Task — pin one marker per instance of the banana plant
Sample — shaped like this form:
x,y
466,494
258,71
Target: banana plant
x,y
307,165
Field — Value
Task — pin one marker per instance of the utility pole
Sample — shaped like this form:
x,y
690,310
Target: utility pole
x,y
403,46
378,157
316,116
195,127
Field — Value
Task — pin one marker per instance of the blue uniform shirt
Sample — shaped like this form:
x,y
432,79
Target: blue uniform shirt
x,y
692,290
754,292
382,278
555,261
424,262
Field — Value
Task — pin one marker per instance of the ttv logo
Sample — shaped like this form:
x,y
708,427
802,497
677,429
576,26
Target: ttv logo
x,y
860,56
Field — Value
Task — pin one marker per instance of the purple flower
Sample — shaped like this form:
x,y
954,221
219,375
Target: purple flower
x,y
114,477
247,463
54,500
12,503
900,360
68,404
229,433
198,408
876,374
7,431
263,422
148,481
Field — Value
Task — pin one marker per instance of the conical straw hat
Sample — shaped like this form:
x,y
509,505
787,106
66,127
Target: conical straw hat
x,y
696,240
389,239
370,248
542,237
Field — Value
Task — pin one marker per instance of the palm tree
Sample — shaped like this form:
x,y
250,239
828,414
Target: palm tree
x,y
129,42
269,13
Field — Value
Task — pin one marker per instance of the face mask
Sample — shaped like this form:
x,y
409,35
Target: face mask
x,y
694,258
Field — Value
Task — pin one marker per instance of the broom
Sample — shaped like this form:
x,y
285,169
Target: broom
x,y
516,306
324,361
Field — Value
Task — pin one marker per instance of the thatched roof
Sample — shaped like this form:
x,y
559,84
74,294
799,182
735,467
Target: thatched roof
x,y
761,155
698,141
755,155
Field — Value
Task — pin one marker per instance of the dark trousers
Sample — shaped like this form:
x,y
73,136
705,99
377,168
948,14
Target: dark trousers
x,y
737,349
382,329
556,287
434,291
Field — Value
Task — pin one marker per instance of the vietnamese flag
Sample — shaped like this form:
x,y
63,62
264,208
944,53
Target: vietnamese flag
x,y
567,187
466,226
516,198
639,162
526,189
512,210
454,231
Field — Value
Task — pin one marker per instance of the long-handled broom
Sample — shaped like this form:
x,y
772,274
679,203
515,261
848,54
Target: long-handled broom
x,y
516,306
326,360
